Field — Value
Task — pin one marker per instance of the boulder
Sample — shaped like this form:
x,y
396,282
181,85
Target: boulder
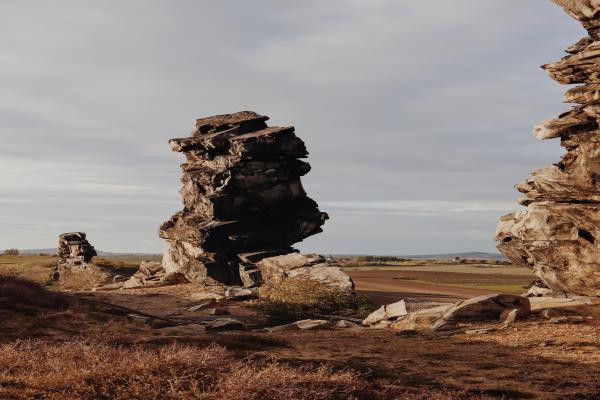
x,y
226,324
384,313
343,324
305,324
421,320
509,316
275,270
219,311
483,308
202,305
240,293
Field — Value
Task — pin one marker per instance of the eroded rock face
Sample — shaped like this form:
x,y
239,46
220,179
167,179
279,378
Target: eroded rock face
x,y
243,200
557,236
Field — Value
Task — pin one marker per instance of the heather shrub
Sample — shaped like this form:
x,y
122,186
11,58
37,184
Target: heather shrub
x,y
97,369
298,298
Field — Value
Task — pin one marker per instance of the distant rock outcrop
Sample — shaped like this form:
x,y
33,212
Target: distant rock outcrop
x,y
75,265
243,200
558,236
74,251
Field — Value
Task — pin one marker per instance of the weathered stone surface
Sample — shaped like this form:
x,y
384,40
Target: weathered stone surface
x,y
242,196
203,305
586,11
305,324
226,324
387,312
509,316
498,307
540,303
239,293
557,235
558,241
275,270
343,324
421,320
483,308
152,273
538,289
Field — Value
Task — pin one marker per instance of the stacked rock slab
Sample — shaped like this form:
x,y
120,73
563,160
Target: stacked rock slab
x,y
74,252
243,200
559,234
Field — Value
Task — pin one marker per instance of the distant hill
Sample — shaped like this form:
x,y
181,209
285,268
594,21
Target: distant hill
x,y
470,255
100,252
39,251
479,255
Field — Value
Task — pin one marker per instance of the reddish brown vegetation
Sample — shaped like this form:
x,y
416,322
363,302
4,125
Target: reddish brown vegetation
x,y
93,369
19,295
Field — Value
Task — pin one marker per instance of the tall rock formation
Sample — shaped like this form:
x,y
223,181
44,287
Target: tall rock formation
x,y
243,200
558,236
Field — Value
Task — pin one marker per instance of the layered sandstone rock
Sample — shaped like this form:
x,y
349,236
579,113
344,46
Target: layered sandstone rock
x,y
75,267
243,200
557,236
74,251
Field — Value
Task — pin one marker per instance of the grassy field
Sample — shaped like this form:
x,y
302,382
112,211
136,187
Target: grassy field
x,y
437,280
38,268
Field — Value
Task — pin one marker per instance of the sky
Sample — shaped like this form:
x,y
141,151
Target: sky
x,y
417,114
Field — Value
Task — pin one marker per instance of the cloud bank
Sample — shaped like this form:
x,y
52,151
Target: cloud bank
x,y
417,114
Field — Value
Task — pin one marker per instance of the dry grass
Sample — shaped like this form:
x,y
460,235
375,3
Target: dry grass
x,y
27,310
23,296
300,298
100,369
37,268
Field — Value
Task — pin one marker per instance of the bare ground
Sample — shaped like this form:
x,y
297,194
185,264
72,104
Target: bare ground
x,y
527,359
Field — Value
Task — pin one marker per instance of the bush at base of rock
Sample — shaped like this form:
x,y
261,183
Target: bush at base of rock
x,y
298,298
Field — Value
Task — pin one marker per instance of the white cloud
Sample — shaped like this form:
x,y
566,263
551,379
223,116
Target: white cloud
x,y
420,112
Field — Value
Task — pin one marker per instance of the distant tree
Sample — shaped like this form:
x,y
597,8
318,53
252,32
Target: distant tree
x,y
11,252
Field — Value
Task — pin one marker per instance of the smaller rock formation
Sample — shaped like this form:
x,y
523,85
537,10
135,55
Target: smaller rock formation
x,y
75,267
75,254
